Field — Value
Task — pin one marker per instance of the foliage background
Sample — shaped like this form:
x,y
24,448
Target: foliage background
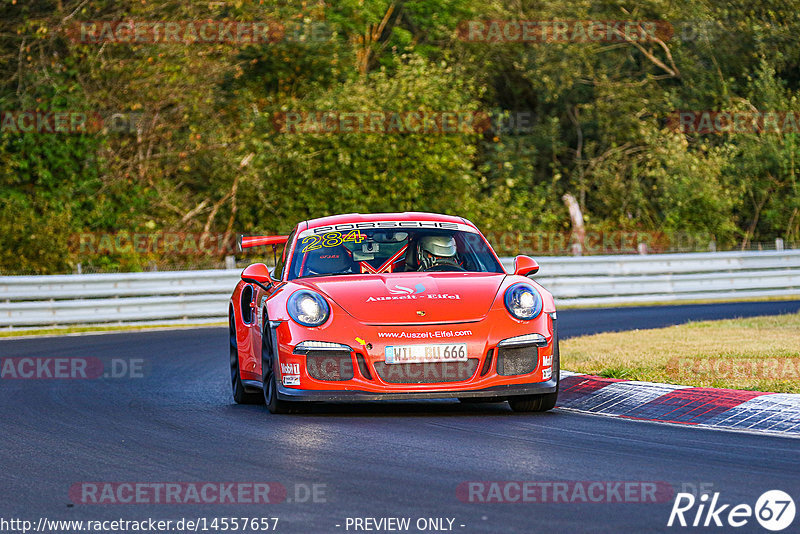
x,y
206,158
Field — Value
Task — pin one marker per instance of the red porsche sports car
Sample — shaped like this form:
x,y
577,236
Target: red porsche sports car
x,y
391,306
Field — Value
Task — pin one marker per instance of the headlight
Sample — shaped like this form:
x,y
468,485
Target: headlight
x,y
308,308
523,301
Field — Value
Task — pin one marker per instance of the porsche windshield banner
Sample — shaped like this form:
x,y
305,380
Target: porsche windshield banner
x,y
380,225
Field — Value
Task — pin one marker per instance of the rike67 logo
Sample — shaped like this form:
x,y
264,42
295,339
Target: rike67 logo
x,y
774,510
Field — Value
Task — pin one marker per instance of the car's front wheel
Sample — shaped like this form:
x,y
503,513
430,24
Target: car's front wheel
x,y
270,384
274,404
545,401
534,403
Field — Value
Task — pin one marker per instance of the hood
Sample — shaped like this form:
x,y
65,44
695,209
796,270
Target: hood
x,y
404,298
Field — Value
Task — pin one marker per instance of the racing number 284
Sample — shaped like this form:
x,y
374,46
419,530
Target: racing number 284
x,y
331,239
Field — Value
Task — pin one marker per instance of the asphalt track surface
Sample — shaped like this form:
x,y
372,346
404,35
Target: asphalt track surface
x,y
177,423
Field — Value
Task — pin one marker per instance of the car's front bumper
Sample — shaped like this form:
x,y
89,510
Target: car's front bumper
x,y
367,383
499,392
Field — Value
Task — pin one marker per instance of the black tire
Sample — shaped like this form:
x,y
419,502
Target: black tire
x,y
270,396
274,404
240,394
545,401
534,403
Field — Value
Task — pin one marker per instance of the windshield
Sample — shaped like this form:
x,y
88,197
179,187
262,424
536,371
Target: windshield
x,y
319,252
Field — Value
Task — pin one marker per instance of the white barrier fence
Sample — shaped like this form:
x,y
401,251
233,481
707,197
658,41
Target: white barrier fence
x,y
202,296
600,280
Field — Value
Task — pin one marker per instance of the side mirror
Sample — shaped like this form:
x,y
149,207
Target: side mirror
x,y
259,275
523,266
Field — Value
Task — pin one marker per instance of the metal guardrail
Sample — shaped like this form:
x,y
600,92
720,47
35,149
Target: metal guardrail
x,y
184,296
611,280
202,296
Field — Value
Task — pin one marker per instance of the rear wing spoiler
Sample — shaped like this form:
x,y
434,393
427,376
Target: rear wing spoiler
x,y
247,241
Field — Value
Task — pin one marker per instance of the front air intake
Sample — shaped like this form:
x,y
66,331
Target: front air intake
x,y
426,373
329,365
517,360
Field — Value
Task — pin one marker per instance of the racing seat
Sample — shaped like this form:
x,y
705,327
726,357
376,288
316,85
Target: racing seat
x,y
411,257
329,260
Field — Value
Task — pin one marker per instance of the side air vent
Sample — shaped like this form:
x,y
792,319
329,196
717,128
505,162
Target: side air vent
x,y
487,363
246,300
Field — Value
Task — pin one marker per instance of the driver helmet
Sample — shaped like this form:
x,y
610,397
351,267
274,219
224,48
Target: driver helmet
x,y
437,250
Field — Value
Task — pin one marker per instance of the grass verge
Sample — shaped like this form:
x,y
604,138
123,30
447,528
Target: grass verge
x,y
757,353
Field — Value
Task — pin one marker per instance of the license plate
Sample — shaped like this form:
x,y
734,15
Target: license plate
x,y
450,352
